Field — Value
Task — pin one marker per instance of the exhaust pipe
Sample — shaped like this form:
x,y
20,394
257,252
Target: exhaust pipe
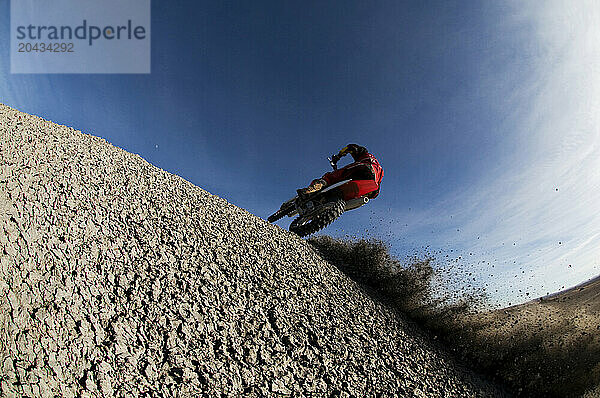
x,y
356,203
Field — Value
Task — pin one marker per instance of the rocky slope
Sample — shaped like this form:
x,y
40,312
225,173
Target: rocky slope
x,y
120,279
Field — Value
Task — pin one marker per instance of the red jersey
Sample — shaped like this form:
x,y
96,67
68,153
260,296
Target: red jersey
x,y
365,168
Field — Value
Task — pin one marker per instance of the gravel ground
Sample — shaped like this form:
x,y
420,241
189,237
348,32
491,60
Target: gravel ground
x,y
120,279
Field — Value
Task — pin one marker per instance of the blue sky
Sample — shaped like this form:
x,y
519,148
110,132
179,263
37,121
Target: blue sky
x,y
477,111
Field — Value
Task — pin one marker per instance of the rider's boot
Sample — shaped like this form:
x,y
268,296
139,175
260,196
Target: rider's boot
x,y
314,186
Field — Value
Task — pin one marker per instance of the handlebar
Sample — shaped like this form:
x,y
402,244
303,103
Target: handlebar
x,y
332,163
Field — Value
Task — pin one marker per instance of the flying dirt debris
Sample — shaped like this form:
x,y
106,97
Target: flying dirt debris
x,y
548,347
120,279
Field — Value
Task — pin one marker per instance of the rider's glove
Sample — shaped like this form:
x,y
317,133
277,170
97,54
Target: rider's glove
x,y
335,158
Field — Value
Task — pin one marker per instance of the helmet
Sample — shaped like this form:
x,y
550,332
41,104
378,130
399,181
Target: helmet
x,y
355,150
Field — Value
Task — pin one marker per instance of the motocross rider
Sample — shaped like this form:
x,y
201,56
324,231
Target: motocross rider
x,y
365,172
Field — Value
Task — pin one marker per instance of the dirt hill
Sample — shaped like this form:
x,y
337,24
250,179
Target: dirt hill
x,y
120,279
549,346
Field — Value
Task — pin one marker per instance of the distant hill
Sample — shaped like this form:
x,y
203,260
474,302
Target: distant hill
x,y
550,345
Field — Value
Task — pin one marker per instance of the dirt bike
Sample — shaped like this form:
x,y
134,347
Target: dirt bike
x,y
318,209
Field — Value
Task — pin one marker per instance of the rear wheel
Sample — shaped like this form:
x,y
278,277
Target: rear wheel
x,y
318,219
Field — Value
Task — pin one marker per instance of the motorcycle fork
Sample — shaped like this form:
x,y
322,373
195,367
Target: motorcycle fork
x,y
319,199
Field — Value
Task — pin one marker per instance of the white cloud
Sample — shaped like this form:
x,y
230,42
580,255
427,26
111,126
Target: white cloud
x,y
553,125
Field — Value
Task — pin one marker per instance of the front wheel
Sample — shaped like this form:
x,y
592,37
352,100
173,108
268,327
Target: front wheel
x,y
318,219
276,216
